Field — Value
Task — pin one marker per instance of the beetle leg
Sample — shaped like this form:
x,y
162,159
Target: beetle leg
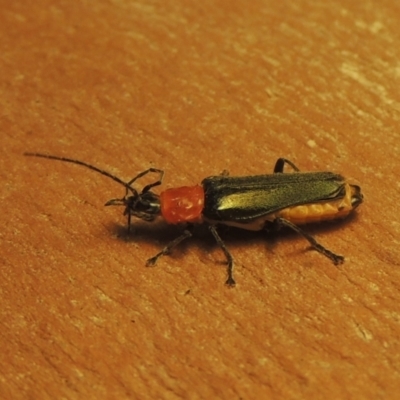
x,y
129,221
337,259
230,281
152,261
158,182
280,163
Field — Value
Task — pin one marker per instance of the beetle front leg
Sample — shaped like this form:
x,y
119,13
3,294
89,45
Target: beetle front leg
x,y
230,281
167,249
158,182
337,259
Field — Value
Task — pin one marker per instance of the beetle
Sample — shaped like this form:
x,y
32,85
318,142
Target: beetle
x,y
248,202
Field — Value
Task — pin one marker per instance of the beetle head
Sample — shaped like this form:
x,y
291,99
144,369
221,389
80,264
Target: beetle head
x,y
144,205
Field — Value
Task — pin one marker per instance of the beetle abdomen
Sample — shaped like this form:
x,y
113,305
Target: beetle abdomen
x,y
323,211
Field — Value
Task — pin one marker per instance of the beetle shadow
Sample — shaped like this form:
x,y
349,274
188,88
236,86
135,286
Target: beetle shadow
x,y
142,232
160,234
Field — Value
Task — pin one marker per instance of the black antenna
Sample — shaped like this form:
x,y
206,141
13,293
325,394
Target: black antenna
x,y
93,168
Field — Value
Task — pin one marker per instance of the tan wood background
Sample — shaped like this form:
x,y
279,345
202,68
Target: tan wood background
x,y
196,88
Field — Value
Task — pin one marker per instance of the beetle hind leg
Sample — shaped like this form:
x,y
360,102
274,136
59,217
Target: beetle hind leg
x,y
335,258
280,165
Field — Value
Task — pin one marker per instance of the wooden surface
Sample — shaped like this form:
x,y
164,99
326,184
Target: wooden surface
x,y
196,88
